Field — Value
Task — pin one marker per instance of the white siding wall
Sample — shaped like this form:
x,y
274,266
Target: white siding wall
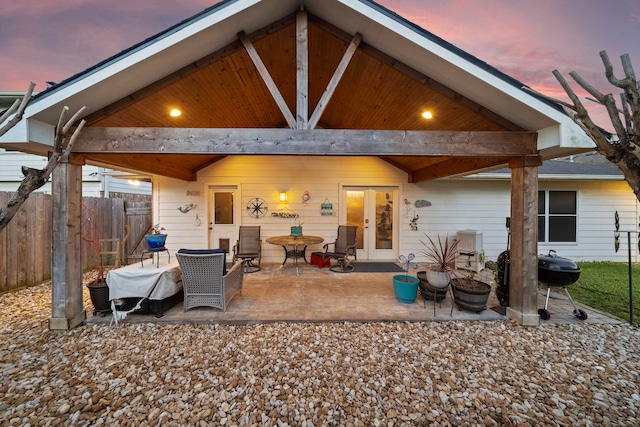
x,y
455,204
458,205
117,185
11,163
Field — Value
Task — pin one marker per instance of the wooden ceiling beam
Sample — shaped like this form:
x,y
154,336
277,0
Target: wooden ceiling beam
x,y
455,166
307,142
146,164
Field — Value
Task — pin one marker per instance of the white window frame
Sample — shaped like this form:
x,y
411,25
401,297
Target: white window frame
x,y
547,215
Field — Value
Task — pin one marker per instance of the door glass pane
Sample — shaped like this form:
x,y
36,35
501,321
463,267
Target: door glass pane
x,y
223,207
355,214
384,220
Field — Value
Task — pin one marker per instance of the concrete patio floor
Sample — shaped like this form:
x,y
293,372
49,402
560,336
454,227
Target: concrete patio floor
x,y
319,295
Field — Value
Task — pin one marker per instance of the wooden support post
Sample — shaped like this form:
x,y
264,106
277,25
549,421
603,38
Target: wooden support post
x,y
67,309
523,259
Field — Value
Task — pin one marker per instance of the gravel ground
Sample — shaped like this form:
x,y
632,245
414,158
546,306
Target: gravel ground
x,y
378,374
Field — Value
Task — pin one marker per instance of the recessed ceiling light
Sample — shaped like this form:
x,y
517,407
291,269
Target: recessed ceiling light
x,y
175,112
427,115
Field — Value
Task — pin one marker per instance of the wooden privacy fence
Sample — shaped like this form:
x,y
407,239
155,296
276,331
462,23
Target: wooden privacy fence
x,y
25,244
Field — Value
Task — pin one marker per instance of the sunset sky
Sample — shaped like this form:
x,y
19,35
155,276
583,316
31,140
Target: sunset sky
x,y
45,41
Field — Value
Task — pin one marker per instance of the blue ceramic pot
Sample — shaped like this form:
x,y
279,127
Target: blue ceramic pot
x,y
405,288
156,241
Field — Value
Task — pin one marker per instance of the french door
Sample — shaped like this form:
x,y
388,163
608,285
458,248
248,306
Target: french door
x,y
223,222
373,210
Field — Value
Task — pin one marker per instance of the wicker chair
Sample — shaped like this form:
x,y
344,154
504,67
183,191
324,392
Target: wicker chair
x,y
248,248
205,281
345,246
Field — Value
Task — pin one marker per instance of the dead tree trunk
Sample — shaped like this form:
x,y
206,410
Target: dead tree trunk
x,y
36,178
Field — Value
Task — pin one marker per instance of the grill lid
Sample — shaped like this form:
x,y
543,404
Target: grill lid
x,y
554,262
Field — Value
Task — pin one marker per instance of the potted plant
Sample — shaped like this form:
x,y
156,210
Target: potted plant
x,y
156,239
442,255
470,293
98,289
405,287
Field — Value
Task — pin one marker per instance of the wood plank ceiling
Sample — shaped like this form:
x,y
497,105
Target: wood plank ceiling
x,y
224,90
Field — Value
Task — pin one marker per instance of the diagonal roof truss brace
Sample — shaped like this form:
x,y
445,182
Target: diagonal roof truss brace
x,y
301,119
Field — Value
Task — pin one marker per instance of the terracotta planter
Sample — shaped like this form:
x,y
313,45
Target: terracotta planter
x,y
470,294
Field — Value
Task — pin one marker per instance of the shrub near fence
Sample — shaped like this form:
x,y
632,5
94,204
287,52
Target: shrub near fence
x,y
25,244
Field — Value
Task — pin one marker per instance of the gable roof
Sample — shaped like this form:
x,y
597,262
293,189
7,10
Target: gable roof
x,y
396,71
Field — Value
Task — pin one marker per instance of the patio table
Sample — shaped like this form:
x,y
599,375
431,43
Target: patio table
x,y
299,245
153,282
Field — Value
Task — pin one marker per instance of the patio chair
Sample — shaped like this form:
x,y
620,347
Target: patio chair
x,y
345,246
248,248
205,279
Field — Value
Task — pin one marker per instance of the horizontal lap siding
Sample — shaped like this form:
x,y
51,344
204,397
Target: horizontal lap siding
x,y
458,205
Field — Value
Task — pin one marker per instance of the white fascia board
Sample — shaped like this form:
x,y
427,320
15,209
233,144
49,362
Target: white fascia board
x,y
572,136
549,137
42,133
563,136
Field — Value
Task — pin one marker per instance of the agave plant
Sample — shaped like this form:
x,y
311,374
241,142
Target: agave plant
x,y
442,253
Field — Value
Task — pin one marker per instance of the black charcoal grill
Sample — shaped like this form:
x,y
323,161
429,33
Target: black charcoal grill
x,y
555,271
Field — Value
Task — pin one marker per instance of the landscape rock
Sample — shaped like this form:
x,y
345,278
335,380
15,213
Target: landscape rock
x,y
313,374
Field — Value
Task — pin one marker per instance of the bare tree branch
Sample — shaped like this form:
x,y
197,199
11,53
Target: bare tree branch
x,y
623,149
547,97
22,106
36,178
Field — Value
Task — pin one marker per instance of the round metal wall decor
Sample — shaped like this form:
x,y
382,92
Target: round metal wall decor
x,y
257,207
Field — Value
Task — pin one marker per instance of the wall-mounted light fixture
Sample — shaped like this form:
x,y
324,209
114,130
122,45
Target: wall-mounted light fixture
x,y
283,196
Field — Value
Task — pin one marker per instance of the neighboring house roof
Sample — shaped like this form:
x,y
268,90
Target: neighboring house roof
x,y
588,166
397,69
